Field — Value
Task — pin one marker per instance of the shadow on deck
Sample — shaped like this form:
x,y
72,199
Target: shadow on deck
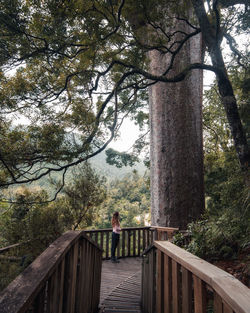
x,y
121,286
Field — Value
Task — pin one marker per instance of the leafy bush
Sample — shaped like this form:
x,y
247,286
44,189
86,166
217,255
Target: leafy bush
x,y
8,271
219,237
180,240
224,230
33,221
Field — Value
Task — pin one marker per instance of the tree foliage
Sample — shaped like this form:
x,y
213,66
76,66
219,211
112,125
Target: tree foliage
x,y
83,195
225,185
36,224
131,197
81,67
223,231
33,226
33,220
221,237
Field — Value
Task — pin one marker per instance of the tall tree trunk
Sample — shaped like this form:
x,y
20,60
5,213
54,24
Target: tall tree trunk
x,y
212,41
177,188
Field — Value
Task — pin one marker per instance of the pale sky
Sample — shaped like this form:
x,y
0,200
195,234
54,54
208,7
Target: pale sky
x,y
129,133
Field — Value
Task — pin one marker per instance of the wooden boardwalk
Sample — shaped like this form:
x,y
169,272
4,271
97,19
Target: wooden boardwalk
x,y
121,286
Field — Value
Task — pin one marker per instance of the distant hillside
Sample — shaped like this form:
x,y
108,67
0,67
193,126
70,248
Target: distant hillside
x,y
111,171
98,162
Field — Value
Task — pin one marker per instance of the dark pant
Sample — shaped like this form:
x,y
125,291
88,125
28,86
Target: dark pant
x,y
115,240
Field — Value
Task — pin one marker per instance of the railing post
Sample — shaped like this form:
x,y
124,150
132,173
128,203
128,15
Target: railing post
x,y
61,275
156,234
128,242
176,287
70,279
88,293
170,235
40,301
83,276
119,249
199,295
96,237
139,242
149,282
52,291
152,236
134,242
186,290
159,281
101,240
123,243
143,239
94,297
218,306
148,237
167,284
107,244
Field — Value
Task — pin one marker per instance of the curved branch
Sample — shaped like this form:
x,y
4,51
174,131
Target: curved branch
x,y
231,43
179,77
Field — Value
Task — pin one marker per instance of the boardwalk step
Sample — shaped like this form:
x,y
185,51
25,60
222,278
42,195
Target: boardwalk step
x,y
125,298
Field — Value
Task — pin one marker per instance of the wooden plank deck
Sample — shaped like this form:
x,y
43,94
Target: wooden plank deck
x,y
121,286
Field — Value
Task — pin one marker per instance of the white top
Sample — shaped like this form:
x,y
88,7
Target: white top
x,y
117,229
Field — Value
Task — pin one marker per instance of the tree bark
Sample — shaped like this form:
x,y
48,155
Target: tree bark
x,y
176,148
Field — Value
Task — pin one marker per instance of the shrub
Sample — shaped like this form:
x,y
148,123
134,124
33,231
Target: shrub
x,y
219,237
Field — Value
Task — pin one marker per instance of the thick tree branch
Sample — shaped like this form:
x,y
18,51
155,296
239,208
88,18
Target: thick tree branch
x,y
236,52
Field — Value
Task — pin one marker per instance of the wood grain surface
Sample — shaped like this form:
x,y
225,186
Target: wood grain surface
x,y
121,286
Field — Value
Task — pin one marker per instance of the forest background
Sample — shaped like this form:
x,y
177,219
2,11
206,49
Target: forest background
x,y
87,199
95,190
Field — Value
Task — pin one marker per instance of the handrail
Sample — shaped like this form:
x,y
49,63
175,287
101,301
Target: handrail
x,y
164,233
168,229
64,278
178,272
133,240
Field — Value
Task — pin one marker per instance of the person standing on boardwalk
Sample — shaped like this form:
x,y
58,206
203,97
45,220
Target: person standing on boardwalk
x,y
115,235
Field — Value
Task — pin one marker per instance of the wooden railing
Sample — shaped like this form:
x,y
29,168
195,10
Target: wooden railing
x,y
174,280
133,240
64,278
163,233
